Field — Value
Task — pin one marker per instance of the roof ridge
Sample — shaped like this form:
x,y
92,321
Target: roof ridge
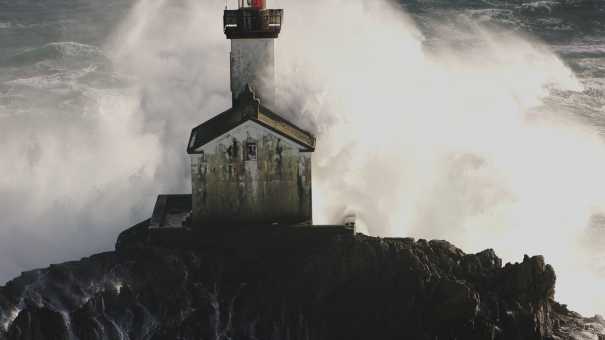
x,y
248,107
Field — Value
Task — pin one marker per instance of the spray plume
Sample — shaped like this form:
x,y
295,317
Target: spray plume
x,y
449,143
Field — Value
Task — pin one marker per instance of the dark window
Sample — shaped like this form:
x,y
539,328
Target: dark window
x,y
251,151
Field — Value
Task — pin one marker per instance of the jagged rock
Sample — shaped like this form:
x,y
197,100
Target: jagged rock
x,y
455,302
40,324
287,283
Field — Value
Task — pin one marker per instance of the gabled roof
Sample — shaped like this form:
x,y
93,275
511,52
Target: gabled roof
x,y
247,107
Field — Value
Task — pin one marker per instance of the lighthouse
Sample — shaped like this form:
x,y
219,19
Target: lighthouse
x,y
250,165
252,30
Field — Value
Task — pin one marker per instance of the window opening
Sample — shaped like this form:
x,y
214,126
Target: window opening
x,y
251,151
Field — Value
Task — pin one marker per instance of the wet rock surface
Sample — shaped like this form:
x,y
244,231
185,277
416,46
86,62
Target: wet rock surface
x,y
287,283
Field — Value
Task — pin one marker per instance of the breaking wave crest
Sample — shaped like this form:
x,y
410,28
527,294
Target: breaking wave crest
x,y
54,51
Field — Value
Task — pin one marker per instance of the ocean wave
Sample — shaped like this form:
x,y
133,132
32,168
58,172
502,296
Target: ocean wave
x,y
499,16
56,80
554,24
587,50
56,50
491,13
539,7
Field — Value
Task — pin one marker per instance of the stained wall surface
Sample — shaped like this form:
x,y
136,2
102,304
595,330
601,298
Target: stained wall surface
x,y
233,184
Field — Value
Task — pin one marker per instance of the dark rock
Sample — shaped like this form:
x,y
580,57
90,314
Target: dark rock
x,y
454,302
286,283
532,280
40,324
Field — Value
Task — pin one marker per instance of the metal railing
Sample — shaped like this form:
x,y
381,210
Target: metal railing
x,y
250,21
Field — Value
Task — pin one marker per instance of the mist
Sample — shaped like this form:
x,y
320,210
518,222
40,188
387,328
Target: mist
x,y
415,137
449,142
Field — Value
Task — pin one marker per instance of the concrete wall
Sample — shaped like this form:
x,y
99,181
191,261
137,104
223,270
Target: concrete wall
x,y
276,187
253,62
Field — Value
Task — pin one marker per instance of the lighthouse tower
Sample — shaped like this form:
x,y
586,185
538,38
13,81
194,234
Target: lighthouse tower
x,y
252,29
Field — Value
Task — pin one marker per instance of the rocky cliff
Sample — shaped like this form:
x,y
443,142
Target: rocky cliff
x,y
287,283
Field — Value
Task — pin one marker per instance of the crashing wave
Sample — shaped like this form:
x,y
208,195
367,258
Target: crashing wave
x,y
8,319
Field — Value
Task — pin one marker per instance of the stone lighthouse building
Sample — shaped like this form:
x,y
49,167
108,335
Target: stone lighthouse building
x,y
249,165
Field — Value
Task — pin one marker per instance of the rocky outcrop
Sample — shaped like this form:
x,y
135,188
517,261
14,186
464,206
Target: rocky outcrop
x,y
287,283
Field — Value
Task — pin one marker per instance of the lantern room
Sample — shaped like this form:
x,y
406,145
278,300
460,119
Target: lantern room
x,y
252,20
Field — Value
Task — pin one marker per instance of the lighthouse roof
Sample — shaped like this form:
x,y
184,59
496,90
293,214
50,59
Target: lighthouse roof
x,y
247,107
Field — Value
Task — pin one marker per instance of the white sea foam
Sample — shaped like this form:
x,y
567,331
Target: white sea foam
x,y
594,49
490,14
63,79
8,319
540,5
70,48
454,144
57,50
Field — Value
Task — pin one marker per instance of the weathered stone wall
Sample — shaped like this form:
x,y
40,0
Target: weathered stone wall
x,y
253,63
274,187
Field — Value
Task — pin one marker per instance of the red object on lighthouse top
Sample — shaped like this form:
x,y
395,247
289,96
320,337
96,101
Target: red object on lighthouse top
x,y
252,20
258,4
